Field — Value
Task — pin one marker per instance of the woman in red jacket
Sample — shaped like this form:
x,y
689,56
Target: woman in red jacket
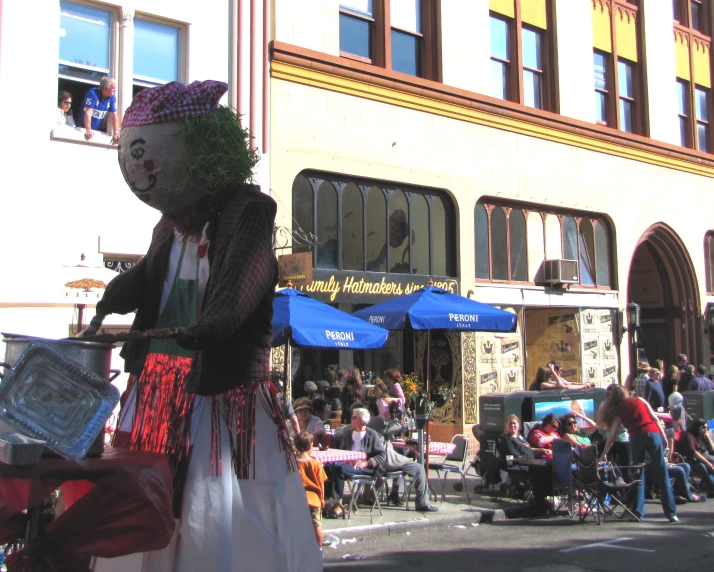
x,y
646,435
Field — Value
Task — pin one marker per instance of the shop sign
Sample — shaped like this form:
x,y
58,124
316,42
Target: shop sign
x,y
367,287
295,267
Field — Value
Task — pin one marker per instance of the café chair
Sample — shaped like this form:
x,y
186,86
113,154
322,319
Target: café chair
x,y
383,485
458,465
357,485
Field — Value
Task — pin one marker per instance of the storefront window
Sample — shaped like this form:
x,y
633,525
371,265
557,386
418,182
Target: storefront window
x,y
376,231
499,245
303,215
327,226
519,263
587,251
482,242
420,234
352,228
381,227
602,248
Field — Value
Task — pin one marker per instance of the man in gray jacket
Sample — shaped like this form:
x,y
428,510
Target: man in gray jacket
x,y
396,462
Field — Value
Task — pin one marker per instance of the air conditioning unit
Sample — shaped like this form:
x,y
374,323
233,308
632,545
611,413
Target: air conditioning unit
x,y
559,271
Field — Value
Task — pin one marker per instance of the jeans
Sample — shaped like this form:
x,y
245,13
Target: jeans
x,y
679,474
652,443
701,469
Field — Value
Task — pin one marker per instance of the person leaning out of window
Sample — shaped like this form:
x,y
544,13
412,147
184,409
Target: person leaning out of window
x,y
100,102
64,109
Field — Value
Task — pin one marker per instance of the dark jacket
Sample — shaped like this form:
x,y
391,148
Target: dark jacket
x,y
234,332
371,444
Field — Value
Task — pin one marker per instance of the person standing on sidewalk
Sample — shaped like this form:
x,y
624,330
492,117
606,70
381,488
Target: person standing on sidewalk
x,y
646,435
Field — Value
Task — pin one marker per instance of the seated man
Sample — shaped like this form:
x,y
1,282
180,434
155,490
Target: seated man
x,y
543,437
388,428
358,437
97,104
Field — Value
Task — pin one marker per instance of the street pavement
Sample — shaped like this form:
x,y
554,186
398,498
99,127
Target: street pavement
x,y
505,535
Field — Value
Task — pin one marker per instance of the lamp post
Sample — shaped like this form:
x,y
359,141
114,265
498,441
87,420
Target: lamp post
x,y
633,326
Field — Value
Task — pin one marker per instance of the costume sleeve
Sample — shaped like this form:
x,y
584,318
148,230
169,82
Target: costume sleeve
x,y
125,293
242,279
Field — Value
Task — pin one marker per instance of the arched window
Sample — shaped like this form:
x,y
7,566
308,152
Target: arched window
x,y
482,242
376,230
587,253
499,245
398,232
303,213
502,232
352,228
517,239
327,226
420,238
375,227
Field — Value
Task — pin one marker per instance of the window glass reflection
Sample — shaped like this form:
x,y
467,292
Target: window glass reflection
x,y
499,245
376,231
570,239
156,52
405,53
587,251
499,39
602,250
84,38
420,234
481,223
352,228
302,213
327,226
398,232
442,229
519,262
355,36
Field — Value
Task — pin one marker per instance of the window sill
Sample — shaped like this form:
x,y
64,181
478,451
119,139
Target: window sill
x,y
76,135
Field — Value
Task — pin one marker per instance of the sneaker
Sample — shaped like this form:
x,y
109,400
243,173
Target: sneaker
x,y
672,518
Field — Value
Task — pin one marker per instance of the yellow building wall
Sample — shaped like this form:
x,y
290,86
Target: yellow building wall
x,y
505,7
681,57
701,57
602,36
626,30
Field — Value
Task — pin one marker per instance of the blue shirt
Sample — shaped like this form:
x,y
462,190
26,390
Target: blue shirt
x,y
100,106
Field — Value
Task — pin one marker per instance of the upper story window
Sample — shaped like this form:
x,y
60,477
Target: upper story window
x,y
157,49
522,61
398,35
90,48
375,226
692,48
618,79
709,261
501,249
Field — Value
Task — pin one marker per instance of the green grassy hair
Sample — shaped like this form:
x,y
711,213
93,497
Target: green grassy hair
x,y
218,150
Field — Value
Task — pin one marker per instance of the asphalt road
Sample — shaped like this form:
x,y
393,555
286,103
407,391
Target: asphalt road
x,y
534,545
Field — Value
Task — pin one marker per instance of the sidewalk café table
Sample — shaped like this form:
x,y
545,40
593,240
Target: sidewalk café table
x,y
435,447
338,456
127,509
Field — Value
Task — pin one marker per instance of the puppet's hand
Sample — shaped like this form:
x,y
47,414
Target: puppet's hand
x,y
186,339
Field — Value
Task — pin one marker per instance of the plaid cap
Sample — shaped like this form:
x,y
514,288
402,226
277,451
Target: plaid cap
x,y
174,101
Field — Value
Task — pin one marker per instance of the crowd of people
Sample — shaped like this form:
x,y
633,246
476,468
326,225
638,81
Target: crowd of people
x,y
371,417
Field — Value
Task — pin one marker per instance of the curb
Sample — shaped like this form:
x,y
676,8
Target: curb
x,y
474,515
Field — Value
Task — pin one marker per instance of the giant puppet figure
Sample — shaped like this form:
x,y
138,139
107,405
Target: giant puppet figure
x,y
204,398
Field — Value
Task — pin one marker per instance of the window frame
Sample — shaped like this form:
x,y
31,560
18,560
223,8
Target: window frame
x,y
640,125
685,117
340,182
693,37
428,62
490,203
516,67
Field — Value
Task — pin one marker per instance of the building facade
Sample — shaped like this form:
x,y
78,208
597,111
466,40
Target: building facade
x,y
483,145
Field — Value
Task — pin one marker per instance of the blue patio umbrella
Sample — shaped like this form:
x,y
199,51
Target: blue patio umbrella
x,y
307,322
433,308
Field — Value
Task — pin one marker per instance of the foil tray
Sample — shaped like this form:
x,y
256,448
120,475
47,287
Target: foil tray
x,y
49,396
20,450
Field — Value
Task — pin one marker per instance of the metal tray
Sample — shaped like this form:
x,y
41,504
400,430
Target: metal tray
x,y
20,450
49,396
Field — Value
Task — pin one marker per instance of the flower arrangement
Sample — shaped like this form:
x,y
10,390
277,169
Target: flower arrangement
x,y
412,386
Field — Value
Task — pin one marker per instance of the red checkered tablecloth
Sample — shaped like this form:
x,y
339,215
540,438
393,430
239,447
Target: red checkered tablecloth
x,y
435,447
338,455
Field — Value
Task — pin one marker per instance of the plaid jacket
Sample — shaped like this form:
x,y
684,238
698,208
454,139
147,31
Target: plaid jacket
x,y
234,330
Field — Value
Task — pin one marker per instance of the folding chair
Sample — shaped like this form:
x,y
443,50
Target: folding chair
x,y
459,456
597,482
383,486
563,480
515,479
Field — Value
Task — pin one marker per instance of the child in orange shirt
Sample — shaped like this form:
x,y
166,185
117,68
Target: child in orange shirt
x,y
313,479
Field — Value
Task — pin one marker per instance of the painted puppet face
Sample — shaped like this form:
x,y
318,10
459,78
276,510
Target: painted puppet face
x,y
151,158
